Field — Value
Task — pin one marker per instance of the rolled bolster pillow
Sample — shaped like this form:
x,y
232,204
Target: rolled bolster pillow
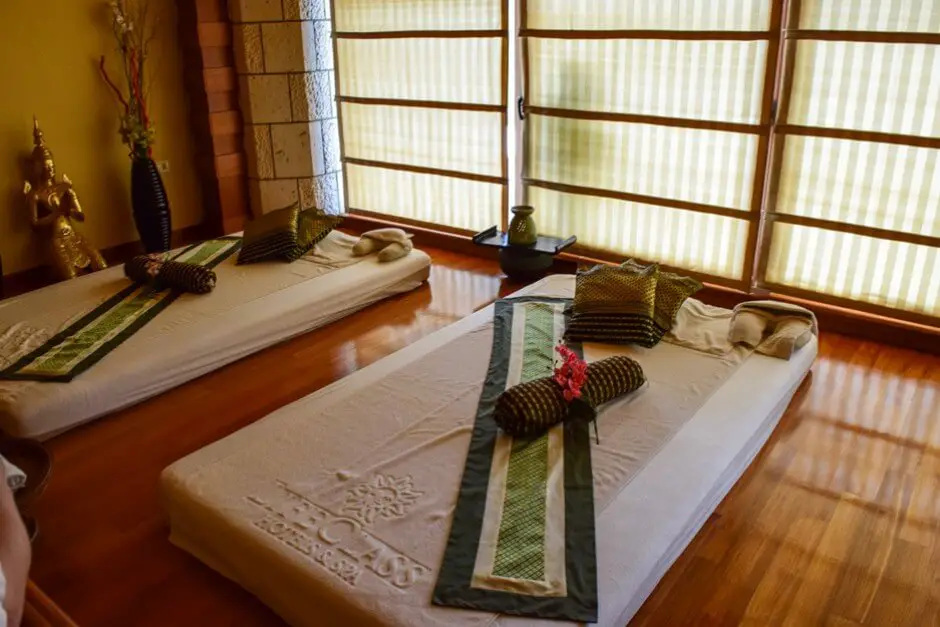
x,y
142,269
531,408
185,277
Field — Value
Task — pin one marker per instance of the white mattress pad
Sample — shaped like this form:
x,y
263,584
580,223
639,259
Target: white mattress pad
x,y
251,308
265,506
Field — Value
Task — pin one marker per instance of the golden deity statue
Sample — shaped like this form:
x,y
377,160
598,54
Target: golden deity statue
x,y
53,205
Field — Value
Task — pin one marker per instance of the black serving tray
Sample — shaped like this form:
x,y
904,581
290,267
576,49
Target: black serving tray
x,y
545,244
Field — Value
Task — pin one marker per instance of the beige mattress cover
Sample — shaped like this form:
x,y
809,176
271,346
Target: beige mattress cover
x,y
251,308
269,506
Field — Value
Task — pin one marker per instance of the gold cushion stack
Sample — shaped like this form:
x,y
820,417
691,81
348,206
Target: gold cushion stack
x,y
627,304
286,234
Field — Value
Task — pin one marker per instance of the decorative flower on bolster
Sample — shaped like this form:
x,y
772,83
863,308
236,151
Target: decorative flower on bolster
x,y
571,374
154,264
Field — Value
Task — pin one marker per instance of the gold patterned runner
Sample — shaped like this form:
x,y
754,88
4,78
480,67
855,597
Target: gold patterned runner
x,y
522,538
519,548
85,342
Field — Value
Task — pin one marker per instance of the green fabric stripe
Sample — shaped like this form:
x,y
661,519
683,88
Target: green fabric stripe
x,y
136,305
520,549
229,245
78,347
73,347
206,251
539,342
454,583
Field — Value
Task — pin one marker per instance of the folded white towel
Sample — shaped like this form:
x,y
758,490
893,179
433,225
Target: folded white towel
x,y
702,327
773,328
16,478
390,243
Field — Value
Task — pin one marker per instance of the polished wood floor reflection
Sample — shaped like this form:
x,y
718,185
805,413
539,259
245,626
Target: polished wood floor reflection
x,y
837,522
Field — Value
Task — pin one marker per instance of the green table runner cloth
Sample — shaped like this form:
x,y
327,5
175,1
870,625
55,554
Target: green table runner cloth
x,y
522,536
85,342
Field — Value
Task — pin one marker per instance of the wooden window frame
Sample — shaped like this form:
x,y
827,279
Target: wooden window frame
x,y
781,129
782,37
503,35
762,130
217,130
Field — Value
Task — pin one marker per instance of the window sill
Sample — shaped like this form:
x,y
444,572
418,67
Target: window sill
x,y
831,318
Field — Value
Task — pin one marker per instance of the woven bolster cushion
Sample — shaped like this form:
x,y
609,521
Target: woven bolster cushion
x,y
672,290
531,408
136,269
185,277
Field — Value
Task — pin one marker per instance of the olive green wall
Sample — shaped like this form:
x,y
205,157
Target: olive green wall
x,y
48,66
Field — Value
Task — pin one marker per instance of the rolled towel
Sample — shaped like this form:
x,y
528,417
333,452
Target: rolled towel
x,y
531,408
391,243
395,251
185,277
366,246
773,328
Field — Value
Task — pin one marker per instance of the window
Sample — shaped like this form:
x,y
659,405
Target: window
x,y
793,153
856,215
423,104
645,133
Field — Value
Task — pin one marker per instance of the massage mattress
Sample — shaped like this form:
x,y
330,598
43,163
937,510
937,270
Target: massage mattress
x,y
252,307
336,510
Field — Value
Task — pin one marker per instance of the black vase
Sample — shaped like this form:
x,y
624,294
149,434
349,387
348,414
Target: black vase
x,y
151,207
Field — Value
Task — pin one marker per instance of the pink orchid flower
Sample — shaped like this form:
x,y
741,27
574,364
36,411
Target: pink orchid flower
x,y
571,375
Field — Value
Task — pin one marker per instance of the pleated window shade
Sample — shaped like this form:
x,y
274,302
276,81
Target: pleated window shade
x,y
668,131
647,127
856,218
903,16
422,108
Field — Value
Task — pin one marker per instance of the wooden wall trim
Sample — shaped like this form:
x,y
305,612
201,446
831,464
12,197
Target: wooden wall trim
x,y
212,83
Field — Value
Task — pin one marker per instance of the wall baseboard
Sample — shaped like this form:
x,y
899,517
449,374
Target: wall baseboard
x,y
28,280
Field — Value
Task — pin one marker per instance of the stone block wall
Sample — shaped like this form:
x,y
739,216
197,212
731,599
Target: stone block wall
x,y
284,59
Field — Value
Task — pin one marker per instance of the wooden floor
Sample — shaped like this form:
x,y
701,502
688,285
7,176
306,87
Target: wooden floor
x,y
837,522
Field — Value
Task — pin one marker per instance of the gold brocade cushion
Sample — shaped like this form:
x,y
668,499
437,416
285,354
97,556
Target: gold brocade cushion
x,y
672,290
613,289
181,276
614,305
313,227
629,304
615,329
270,236
285,234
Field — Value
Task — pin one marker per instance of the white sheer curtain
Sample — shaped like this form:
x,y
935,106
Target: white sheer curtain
x,y
647,146
914,16
700,242
857,215
422,108
700,80
648,132
674,15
